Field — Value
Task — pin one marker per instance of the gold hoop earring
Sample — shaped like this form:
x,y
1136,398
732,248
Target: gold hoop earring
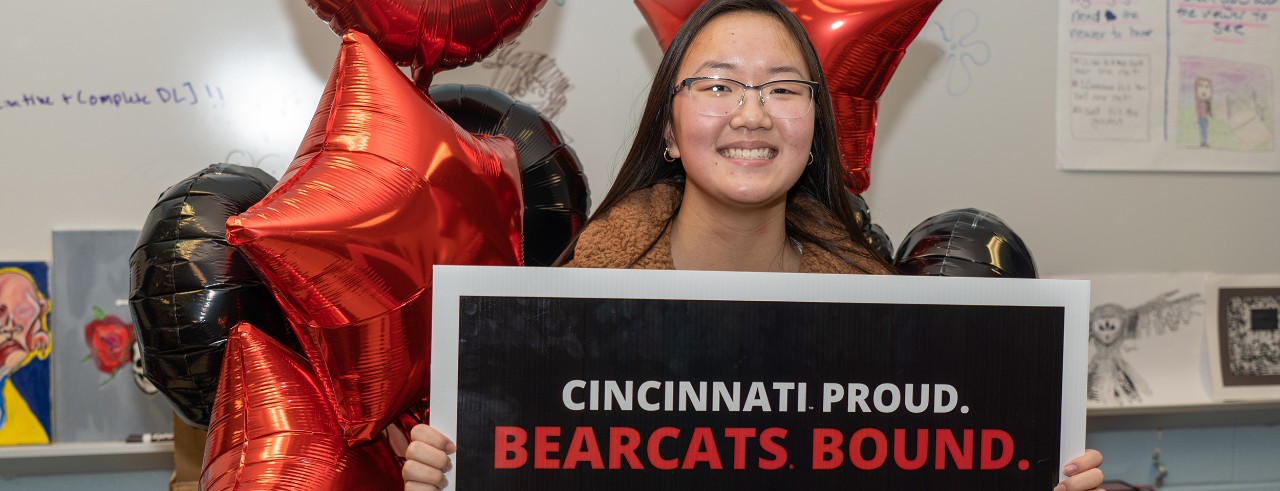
x,y
810,159
666,155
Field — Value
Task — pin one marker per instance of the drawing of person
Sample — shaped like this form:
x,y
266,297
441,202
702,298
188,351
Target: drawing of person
x,y
24,338
1111,379
1204,107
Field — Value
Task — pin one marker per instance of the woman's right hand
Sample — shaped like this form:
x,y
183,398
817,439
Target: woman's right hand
x,y
427,459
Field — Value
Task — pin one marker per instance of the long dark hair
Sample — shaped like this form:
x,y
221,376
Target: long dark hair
x,y
821,181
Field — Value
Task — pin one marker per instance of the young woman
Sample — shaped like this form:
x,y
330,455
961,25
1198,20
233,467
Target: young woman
x,y
734,168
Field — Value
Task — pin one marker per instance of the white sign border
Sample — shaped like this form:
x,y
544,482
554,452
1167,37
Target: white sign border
x,y
453,282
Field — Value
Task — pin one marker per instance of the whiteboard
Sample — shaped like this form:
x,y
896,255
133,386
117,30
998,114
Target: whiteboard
x,y
968,121
142,94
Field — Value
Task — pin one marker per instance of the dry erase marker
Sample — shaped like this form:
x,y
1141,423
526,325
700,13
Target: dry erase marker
x,y
149,437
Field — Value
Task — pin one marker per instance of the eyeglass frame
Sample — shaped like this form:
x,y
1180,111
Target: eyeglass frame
x,y
814,87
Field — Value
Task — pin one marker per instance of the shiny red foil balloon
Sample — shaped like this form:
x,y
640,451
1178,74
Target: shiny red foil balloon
x,y
431,35
383,187
859,43
273,429
556,198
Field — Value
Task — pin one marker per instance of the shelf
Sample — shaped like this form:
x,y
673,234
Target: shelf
x,y
62,458
1254,413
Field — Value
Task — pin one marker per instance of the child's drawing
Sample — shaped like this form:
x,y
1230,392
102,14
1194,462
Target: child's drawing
x,y
1225,105
1146,340
1114,329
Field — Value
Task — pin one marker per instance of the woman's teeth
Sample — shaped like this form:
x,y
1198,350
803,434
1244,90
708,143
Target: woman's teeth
x,y
745,153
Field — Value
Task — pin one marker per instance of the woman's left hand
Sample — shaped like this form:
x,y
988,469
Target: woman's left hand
x,y
1082,473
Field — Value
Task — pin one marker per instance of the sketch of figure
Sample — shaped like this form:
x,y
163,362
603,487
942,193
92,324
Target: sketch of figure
x,y
532,78
1112,328
1225,105
1204,107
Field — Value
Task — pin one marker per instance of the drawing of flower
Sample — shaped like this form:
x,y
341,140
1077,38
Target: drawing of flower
x,y
110,342
962,54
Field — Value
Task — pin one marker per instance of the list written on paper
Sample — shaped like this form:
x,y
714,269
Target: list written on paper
x,y
1110,96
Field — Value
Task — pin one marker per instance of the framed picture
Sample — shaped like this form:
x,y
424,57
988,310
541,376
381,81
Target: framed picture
x,y
561,378
1244,336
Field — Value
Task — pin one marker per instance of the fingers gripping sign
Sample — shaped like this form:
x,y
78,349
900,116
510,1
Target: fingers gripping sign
x,y
427,459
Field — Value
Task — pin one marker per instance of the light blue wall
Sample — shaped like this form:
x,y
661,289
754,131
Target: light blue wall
x,y
140,481
1237,458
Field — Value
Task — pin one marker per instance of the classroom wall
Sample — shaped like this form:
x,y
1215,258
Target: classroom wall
x,y
258,66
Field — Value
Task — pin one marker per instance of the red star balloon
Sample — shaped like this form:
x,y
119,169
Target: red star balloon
x,y
859,42
383,187
431,35
273,429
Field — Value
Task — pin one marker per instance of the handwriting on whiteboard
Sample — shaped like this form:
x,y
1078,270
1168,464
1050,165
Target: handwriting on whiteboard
x,y
184,94
962,51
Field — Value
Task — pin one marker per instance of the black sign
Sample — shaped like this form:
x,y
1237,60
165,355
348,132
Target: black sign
x,y
619,394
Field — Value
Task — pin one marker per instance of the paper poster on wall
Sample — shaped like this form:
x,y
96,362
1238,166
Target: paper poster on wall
x,y
1146,340
563,379
1168,86
101,393
1244,336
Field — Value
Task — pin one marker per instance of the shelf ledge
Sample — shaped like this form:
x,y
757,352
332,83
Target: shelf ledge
x,y
1242,413
62,458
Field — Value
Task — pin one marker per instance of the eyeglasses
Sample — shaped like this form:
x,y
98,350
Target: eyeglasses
x,y
715,96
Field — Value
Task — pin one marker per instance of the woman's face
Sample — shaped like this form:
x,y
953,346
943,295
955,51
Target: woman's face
x,y
1203,89
22,328
748,158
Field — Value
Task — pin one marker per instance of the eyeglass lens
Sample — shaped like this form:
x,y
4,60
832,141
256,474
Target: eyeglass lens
x,y
721,97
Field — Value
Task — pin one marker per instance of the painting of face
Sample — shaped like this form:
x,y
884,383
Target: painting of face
x,y
22,327
747,158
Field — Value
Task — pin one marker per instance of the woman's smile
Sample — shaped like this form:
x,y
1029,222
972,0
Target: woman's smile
x,y
739,153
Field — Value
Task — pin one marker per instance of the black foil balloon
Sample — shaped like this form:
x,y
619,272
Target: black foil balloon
x,y
188,287
966,242
556,198
877,239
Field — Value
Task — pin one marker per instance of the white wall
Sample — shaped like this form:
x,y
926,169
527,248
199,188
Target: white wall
x,y
991,147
